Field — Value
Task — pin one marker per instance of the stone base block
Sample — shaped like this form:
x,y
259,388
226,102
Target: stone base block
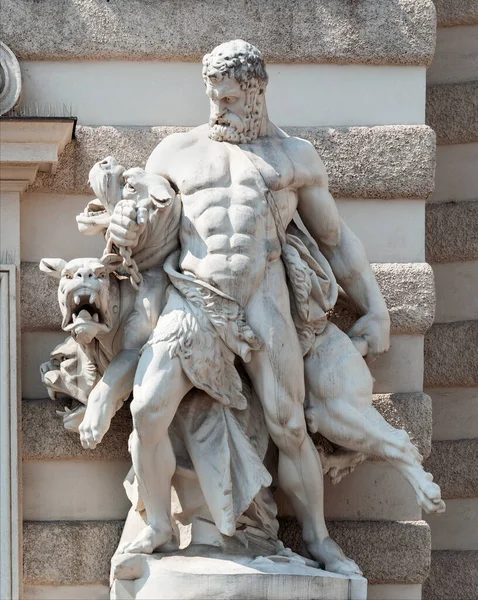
x,y
221,576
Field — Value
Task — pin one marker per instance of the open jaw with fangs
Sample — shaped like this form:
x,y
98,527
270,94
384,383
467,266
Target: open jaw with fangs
x,y
88,294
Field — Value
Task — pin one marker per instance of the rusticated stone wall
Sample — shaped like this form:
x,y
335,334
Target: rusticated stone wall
x,y
358,70
451,345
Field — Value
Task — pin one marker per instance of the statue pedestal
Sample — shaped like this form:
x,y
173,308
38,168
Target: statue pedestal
x,y
221,576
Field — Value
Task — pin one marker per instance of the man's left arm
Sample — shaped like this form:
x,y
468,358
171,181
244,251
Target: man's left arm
x,y
347,258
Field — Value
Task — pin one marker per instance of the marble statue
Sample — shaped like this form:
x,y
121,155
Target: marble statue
x,y
222,259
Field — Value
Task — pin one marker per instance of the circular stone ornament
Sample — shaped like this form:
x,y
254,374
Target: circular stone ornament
x,y
10,79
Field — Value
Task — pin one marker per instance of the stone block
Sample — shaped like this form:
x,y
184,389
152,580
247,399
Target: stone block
x,y
453,576
78,552
45,438
455,284
329,31
395,161
66,592
456,173
454,465
455,413
408,289
456,55
387,551
452,111
456,12
456,528
451,355
451,231
69,552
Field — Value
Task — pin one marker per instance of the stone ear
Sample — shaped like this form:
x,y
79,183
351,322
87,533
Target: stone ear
x,y
52,266
160,196
112,262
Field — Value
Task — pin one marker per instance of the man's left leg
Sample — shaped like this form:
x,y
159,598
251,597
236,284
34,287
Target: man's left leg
x,y
277,374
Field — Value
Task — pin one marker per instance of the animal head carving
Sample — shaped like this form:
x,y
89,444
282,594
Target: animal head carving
x,y
112,183
88,294
69,372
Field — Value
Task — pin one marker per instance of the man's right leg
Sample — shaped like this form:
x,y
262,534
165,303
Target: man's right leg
x,y
160,385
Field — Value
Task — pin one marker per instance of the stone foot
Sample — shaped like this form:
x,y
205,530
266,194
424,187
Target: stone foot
x,y
148,540
429,495
329,553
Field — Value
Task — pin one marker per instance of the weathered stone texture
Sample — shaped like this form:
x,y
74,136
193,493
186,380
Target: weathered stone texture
x,y
332,31
396,161
451,355
452,111
453,576
408,289
412,412
40,310
45,438
454,465
387,551
451,231
456,12
68,552
78,552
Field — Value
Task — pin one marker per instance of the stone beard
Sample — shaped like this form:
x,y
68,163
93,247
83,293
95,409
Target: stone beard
x,y
230,127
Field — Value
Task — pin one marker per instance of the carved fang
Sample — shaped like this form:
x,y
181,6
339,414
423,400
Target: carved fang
x,y
77,299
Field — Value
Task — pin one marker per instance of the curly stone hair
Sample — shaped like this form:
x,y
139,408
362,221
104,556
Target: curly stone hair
x,y
240,60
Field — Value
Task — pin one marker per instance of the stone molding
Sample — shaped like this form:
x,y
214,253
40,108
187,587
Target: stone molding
x,y
29,146
451,355
44,437
451,231
454,464
384,162
453,574
408,289
73,552
452,111
322,31
456,12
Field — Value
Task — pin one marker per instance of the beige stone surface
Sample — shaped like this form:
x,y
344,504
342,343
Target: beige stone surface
x,y
298,31
456,173
456,528
75,552
66,592
404,357
452,111
395,161
456,55
408,290
48,227
400,238
387,551
44,437
356,94
374,491
390,591
453,576
451,355
39,303
455,413
456,12
35,349
412,412
451,231
74,490
68,552
454,465
456,285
